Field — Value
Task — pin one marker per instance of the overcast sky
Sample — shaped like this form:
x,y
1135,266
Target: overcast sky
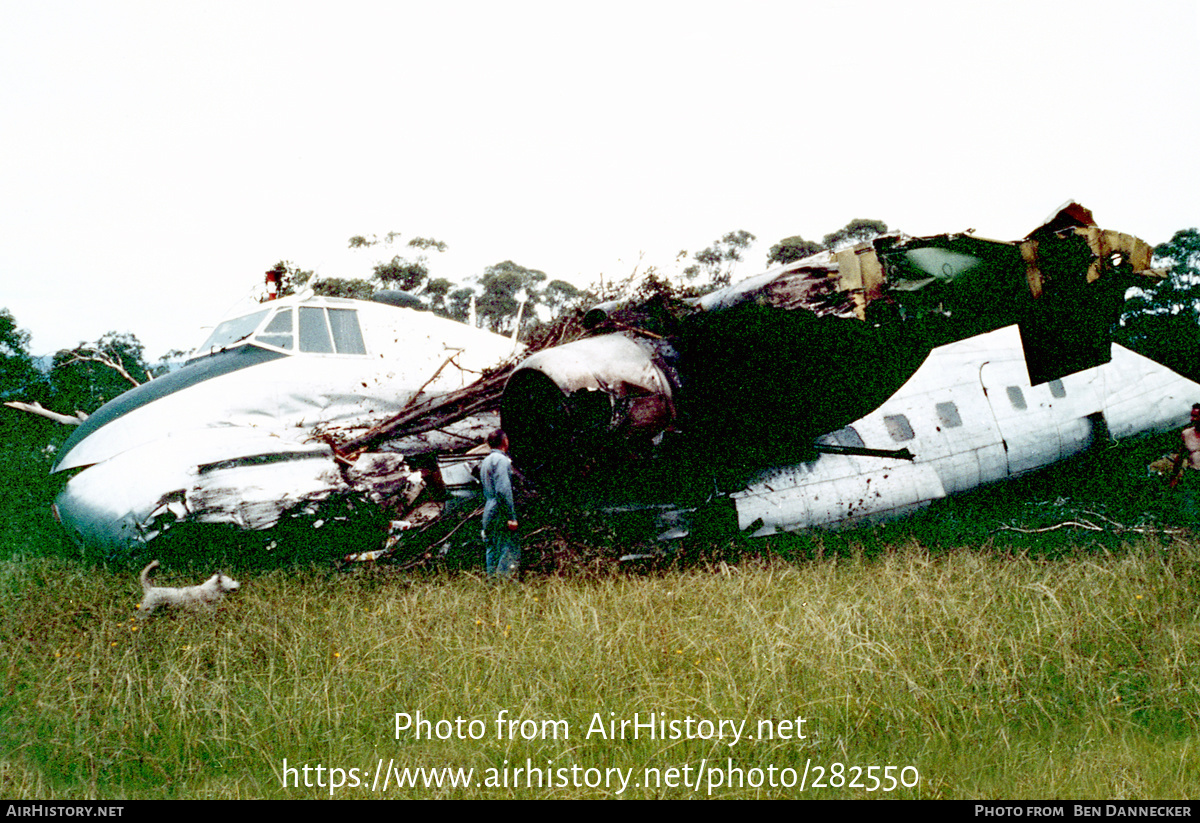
x,y
156,158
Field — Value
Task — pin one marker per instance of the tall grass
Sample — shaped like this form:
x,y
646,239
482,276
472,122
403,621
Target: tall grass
x,y
995,664
993,676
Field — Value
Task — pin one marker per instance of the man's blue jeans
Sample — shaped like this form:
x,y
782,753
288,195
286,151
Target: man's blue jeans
x,y
503,550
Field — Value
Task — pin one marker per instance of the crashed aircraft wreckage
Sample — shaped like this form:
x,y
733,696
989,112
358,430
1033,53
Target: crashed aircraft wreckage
x,y
272,414
855,384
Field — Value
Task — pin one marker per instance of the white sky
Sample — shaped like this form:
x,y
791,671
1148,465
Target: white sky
x,y
156,158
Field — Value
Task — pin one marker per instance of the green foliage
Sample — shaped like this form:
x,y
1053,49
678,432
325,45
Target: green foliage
x,y
436,295
28,444
458,304
19,377
505,285
426,243
407,274
358,241
292,279
791,249
352,288
716,262
499,292
295,280
1163,322
857,230
559,297
91,374
399,273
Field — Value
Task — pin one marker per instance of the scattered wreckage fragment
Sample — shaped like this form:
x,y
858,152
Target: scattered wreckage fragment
x,y
274,414
855,384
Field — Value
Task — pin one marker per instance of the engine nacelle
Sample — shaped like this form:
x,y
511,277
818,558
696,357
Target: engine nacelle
x,y
588,396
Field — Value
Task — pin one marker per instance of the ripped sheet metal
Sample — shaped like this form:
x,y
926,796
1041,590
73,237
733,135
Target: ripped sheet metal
x,y
845,283
225,475
228,475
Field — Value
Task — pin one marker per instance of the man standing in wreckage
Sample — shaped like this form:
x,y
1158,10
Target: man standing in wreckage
x,y
499,511
1188,458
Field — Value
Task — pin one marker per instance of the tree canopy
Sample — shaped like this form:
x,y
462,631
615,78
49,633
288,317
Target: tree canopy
x,y
18,374
505,286
88,376
857,230
1163,322
716,262
498,292
404,273
791,249
399,273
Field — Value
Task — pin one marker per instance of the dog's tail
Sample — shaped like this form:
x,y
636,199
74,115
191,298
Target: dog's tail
x,y
151,566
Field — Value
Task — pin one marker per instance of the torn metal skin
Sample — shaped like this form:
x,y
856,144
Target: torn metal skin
x,y
274,416
856,383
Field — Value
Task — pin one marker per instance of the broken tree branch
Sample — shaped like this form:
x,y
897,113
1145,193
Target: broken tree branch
x,y
1116,527
105,359
1092,527
42,411
413,400
435,412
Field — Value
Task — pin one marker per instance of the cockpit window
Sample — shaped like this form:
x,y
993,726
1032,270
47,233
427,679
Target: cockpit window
x,y
314,334
278,332
316,329
232,331
346,334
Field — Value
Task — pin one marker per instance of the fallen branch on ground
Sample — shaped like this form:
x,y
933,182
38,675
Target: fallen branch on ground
x,y
1119,528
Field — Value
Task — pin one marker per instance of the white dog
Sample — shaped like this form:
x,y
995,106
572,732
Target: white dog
x,y
207,593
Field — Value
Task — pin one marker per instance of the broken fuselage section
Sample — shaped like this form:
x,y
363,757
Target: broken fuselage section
x,y
855,384
256,423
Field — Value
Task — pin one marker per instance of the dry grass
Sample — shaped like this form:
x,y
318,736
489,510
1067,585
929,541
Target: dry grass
x,y
994,676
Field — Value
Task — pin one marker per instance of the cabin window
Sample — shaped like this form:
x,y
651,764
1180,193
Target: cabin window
x,y
314,333
1017,398
948,414
346,334
1057,389
279,331
898,427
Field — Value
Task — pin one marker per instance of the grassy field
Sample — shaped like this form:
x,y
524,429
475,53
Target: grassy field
x,y
942,657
